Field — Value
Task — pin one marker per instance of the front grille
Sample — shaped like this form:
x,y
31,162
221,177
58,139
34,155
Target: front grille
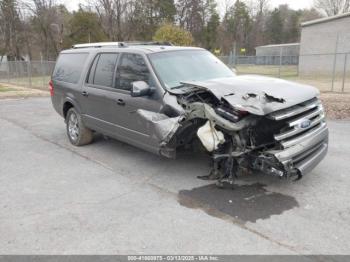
x,y
299,122
306,154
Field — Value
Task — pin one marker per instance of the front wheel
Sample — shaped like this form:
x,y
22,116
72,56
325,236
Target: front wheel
x,y
78,134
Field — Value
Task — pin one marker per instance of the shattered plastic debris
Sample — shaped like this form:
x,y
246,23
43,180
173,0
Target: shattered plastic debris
x,y
210,137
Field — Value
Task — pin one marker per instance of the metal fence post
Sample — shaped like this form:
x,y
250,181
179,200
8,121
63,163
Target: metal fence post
x,y
16,72
279,68
42,70
8,71
335,61
29,68
344,72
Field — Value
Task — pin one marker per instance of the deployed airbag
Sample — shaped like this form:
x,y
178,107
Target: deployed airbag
x,y
210,137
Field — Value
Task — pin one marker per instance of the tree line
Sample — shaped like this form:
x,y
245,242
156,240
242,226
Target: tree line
x,y
41,28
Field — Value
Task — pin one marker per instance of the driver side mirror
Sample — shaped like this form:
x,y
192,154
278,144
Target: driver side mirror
x,y
141,88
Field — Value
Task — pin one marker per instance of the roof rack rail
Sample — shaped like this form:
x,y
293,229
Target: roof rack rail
x,y
100,44
119,44
167,43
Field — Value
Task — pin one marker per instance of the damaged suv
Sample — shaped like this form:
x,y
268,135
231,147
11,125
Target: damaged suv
x,y
160,97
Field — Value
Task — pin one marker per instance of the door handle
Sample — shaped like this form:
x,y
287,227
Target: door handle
x,y
84,93
121,102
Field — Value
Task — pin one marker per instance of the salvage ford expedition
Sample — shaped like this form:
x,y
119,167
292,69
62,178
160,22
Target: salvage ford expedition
x,y
160,97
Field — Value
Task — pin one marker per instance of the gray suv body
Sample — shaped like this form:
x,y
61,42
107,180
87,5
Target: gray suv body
x,y
160,97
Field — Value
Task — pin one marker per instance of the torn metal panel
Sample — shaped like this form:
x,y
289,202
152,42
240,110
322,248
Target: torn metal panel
x,y
159,125
257,94
171,106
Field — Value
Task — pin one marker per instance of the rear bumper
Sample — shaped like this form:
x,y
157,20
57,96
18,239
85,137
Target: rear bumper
x,y
303,157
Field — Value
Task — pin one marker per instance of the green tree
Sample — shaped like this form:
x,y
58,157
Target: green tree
x,y
148,15
237,24
211,30
274,27
84,28
292,32
173,34
165,10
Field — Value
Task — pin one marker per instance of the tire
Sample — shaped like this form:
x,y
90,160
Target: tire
x,y
78,134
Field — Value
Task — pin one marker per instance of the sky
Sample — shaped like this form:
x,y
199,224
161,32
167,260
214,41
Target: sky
x,y
294,4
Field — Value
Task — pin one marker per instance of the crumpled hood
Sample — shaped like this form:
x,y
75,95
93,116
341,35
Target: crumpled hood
x,y
258,95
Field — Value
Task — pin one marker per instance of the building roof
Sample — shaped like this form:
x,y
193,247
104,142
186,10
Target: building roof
x,y
278,45
324,20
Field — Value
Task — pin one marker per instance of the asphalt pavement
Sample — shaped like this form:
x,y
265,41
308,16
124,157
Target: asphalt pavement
x,y
112,198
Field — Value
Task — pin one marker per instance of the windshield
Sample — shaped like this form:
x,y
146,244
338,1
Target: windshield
x,y
188,65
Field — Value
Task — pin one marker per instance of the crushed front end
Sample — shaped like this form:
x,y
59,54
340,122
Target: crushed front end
x,y
287,143
245,123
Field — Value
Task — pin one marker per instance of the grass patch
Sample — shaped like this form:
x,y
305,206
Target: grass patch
x,y
6,89
268,70
39,82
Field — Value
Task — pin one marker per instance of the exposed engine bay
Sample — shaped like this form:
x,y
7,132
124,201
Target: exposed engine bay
x,y
280,135
230,135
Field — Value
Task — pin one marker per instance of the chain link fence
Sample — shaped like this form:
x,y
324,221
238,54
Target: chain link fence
x,y
327,72
33,74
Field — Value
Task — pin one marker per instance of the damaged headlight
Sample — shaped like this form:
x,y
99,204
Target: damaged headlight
x,y
230,113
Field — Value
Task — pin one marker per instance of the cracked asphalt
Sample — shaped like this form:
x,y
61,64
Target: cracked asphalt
x,y
112,198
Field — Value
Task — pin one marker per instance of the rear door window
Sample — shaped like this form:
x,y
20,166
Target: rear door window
x,y
69,67
103,70
131,68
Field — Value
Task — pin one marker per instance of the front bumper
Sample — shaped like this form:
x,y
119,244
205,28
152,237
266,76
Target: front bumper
x,y
300,158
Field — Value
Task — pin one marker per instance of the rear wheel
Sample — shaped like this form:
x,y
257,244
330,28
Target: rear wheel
x,y
78,134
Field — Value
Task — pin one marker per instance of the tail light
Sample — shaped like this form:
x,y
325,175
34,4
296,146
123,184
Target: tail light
x,y
51,88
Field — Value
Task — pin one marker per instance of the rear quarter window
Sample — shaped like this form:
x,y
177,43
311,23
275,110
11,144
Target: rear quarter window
x,y
69,67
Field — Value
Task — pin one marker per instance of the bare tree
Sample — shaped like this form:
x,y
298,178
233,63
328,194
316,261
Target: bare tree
x,y
227,4
258,11
111,13
10,28
333,7
257,7
48,23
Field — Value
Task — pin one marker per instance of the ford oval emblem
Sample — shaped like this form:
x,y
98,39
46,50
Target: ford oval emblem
x,y
305,124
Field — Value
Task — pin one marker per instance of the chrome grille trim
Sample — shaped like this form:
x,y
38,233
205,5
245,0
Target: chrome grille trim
x,y
301,134
297,130
295,110
304,121
306,165
298,121
292,152
307,153
304,136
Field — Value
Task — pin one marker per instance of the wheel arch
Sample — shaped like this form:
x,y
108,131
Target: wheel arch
x,y
68,104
